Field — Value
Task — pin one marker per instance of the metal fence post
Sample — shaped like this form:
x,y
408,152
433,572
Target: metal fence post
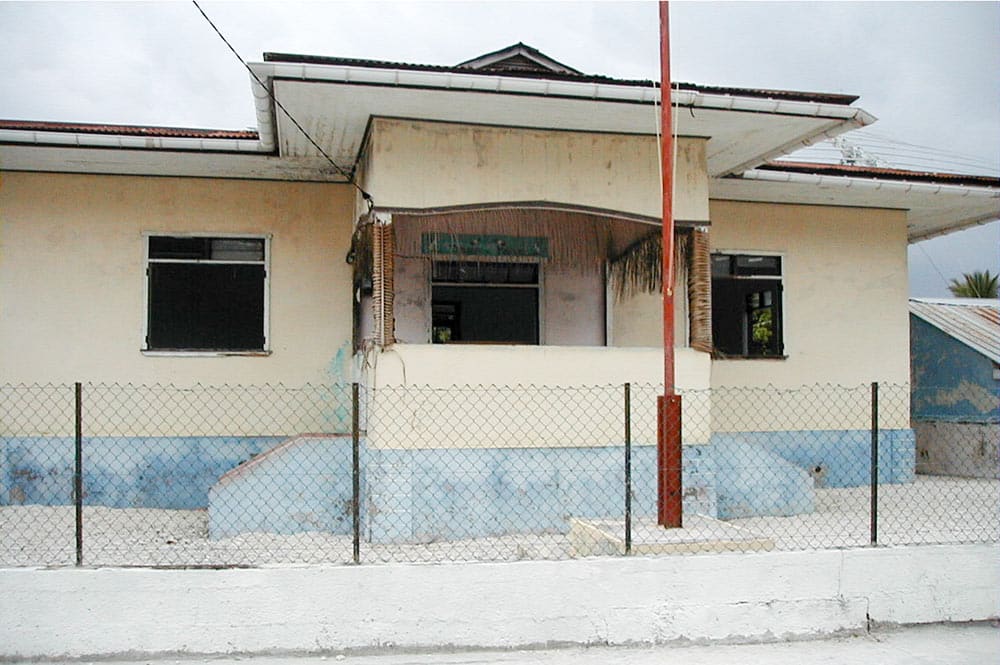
x,y
873,526
356,471
78,470
628,468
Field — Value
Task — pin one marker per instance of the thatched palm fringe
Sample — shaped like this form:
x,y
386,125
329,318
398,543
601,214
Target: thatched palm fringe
x,y
584,241
638,269
383,268
360,255
700,291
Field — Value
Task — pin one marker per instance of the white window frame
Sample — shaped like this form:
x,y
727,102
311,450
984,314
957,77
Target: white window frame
x,y
784,311
146,235
451,258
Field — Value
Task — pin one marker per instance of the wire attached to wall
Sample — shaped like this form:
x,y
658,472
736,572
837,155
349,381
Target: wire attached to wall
x,y
339,169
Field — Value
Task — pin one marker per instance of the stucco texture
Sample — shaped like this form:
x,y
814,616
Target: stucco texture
x,y
72,294
845,292
425,164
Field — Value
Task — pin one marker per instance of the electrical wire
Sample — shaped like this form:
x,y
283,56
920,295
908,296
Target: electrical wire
x,y
900,154
342,171
933,265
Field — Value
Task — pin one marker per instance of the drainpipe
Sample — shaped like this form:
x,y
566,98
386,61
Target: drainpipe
x,y
668,407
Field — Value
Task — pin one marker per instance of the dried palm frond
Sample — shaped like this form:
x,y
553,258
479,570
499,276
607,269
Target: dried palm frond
x,y
700,292
383,291
639,269
360,254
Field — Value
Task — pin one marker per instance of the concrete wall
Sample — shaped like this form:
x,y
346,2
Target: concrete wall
x,y
845,292
432,396
72,276
121,472
302,485
760,596
414,164
638,321
969,450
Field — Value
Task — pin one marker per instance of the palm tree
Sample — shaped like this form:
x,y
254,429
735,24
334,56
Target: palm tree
x,y
974,285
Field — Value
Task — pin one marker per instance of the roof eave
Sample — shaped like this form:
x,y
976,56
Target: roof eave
x,y
983,195
842,117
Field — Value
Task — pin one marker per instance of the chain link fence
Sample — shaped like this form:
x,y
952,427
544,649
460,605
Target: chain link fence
x,y
135,475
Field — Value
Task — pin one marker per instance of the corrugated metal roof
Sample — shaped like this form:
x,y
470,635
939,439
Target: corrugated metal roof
x,y
880,173
127,130
974,322
790,95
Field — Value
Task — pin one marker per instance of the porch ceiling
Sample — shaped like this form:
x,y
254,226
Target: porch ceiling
x,y
337,114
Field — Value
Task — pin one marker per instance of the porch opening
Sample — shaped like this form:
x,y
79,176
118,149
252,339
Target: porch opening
x,y
533,273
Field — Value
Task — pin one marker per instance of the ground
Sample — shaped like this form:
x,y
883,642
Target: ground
x,y
933,509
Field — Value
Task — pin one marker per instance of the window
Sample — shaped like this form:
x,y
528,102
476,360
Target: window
x,y
746,305
206,293
484,302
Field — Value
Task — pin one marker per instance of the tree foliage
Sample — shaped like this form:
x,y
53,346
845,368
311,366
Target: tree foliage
x,y
974,285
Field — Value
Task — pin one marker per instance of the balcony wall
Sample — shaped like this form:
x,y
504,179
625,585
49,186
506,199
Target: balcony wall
x,y
543,397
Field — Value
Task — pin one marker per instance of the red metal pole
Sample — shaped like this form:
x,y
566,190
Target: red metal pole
x,y
669,405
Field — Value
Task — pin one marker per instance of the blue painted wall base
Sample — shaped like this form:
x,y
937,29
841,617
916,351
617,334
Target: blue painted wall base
x,y
121,472
442,494
302,485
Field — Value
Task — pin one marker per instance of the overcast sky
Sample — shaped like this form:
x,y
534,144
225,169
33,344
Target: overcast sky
x,y
929,71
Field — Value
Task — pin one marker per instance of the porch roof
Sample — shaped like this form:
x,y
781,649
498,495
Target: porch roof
x,y
336,98
936,203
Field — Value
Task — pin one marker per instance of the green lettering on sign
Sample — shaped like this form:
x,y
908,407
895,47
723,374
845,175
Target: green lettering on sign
x,y
470,244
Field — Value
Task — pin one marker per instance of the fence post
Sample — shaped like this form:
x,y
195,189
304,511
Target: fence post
x,y
873,526
628,468
78,469
356,471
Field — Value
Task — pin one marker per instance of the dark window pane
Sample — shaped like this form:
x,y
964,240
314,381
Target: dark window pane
x,y
721,265
238,249
523,273
501,315
746,317
758,265
446,323
200,306
167,247
485,272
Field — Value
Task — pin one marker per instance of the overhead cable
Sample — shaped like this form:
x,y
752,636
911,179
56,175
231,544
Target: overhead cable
x,y
342,171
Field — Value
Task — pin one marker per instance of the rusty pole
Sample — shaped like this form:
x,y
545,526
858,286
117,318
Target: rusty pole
x,y
668,409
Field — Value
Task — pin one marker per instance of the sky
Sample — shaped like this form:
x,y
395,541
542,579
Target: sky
x,y
929,71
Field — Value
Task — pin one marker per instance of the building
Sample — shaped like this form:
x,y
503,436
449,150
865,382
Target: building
x,y
490,223
955,380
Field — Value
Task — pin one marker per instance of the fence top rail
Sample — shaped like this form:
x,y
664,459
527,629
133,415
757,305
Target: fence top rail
x,y
346,385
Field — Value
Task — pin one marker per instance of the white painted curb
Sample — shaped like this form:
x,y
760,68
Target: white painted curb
x,y
770,595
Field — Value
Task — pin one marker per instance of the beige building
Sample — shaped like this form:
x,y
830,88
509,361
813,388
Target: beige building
x,y
511,148
492,223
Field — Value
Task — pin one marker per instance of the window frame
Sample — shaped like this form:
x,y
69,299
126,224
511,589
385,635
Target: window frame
x,y
783,317
449,258
266,323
